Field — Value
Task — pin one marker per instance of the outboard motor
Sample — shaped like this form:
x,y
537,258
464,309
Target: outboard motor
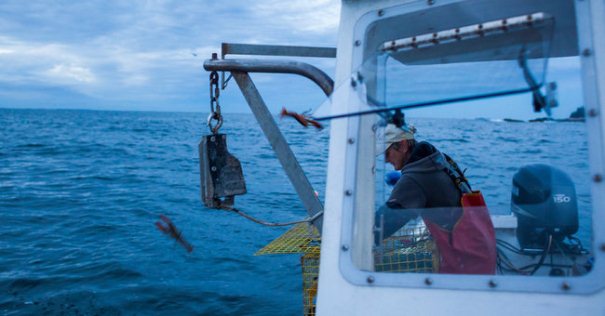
x,y
545,204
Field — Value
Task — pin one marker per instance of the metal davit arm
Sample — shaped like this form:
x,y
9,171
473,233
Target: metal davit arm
x,y
280,146
240,70
273,66
277,50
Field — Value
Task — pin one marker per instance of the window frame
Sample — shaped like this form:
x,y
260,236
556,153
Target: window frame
x,y
579,285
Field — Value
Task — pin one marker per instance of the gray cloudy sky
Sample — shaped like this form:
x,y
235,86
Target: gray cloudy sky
x,y
141,54
148,55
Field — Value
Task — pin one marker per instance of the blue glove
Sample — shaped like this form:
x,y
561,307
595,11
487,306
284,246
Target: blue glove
x,y
392,177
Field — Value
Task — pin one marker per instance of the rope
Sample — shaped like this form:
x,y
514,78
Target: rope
x,y
258,221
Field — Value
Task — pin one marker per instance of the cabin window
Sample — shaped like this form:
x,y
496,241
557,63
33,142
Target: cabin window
x,y
480,160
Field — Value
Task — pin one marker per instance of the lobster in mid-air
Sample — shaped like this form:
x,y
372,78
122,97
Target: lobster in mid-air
x,y
170,229
303,119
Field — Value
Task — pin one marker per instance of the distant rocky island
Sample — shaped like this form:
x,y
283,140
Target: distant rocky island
x,y
576,116
579,113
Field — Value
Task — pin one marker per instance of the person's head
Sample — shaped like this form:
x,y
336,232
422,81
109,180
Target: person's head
x,y
399,142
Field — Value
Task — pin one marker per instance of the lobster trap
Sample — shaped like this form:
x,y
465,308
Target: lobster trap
x,y
411,249
309,263
301,239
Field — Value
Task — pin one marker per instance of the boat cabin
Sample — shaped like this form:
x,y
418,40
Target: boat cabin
x,y
467,75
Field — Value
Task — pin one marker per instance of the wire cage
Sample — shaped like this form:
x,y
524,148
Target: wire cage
x,y
302,239
411,249
310,272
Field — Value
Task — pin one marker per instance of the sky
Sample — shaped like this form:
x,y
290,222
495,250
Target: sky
x,y
142,55
148,55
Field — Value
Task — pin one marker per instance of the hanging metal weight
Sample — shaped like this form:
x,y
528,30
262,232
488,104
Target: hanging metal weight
x,y
221,173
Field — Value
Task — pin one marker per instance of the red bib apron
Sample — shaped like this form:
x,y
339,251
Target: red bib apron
x,y
470,248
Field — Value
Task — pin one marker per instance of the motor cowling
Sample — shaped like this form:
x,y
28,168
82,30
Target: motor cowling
x,y
544,201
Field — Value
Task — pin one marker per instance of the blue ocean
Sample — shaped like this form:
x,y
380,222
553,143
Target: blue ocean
x,y
80,192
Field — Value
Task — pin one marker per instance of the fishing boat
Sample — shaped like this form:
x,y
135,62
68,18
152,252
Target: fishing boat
x,y
395,57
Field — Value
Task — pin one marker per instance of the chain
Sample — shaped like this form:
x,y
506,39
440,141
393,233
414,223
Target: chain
x,y
215,108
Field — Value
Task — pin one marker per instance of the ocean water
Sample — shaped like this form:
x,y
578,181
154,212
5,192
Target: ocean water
x,y
80,192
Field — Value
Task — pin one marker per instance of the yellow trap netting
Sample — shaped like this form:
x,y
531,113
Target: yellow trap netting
x,y
310,272
409,250
302,238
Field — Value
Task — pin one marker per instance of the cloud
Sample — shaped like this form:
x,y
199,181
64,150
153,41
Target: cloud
x,y
81,66
27,61
143,51
71,72
316,16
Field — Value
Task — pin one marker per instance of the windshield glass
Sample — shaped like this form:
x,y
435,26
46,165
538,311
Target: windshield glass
x,y
469,174
441,68
528,205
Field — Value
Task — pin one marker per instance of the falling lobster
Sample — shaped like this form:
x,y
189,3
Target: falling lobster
x,y
170,229
303,119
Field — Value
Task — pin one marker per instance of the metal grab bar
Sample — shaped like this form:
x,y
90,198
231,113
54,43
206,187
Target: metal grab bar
x,y
273,66
277,50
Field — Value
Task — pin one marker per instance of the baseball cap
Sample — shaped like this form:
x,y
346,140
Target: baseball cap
x,y
393,134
